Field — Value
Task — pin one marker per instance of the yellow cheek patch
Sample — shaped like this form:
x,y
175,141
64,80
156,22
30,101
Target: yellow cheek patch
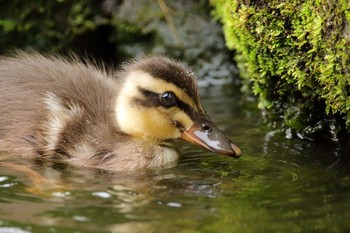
x,y
151,123
154,123
160,125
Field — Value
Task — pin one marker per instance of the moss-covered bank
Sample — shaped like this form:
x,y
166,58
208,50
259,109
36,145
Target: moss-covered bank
x,y
295,55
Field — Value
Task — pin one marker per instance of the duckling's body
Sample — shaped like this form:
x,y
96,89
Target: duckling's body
x,y
70,110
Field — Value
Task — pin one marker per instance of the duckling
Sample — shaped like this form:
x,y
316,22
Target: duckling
x,y
130,118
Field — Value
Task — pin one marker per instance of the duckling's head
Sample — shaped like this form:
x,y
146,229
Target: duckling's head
x,y
158,101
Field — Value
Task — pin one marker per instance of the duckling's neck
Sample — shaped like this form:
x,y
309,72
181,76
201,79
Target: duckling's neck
x,y
165,154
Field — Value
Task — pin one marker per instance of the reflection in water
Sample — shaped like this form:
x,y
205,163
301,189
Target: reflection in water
x,y
96,200
278,185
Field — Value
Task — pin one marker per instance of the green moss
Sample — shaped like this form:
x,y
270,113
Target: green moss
x,y
295,55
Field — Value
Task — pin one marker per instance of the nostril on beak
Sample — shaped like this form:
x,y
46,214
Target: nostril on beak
x,y
206,127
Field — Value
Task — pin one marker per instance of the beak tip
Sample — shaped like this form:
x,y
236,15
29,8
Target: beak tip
x,y
237,150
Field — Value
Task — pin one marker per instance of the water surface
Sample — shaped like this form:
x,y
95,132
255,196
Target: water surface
x,y
278,185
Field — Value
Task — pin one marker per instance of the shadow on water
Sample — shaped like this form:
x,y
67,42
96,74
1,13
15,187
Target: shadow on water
x,y
278,185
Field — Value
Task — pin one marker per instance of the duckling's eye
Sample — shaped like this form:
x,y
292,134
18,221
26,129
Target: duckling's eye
x,y
168,99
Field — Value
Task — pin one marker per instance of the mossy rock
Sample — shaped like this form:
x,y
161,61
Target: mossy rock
x,y
295,55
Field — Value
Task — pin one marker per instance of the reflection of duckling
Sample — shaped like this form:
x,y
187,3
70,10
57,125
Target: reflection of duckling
x,y
70,110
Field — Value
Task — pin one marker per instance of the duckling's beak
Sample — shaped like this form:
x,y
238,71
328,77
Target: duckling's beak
x,y
204,133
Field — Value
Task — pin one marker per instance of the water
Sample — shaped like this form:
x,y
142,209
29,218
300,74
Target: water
x,y
278,185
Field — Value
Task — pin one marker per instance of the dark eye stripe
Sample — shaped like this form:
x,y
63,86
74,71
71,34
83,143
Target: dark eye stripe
x,y
152,100
187,109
